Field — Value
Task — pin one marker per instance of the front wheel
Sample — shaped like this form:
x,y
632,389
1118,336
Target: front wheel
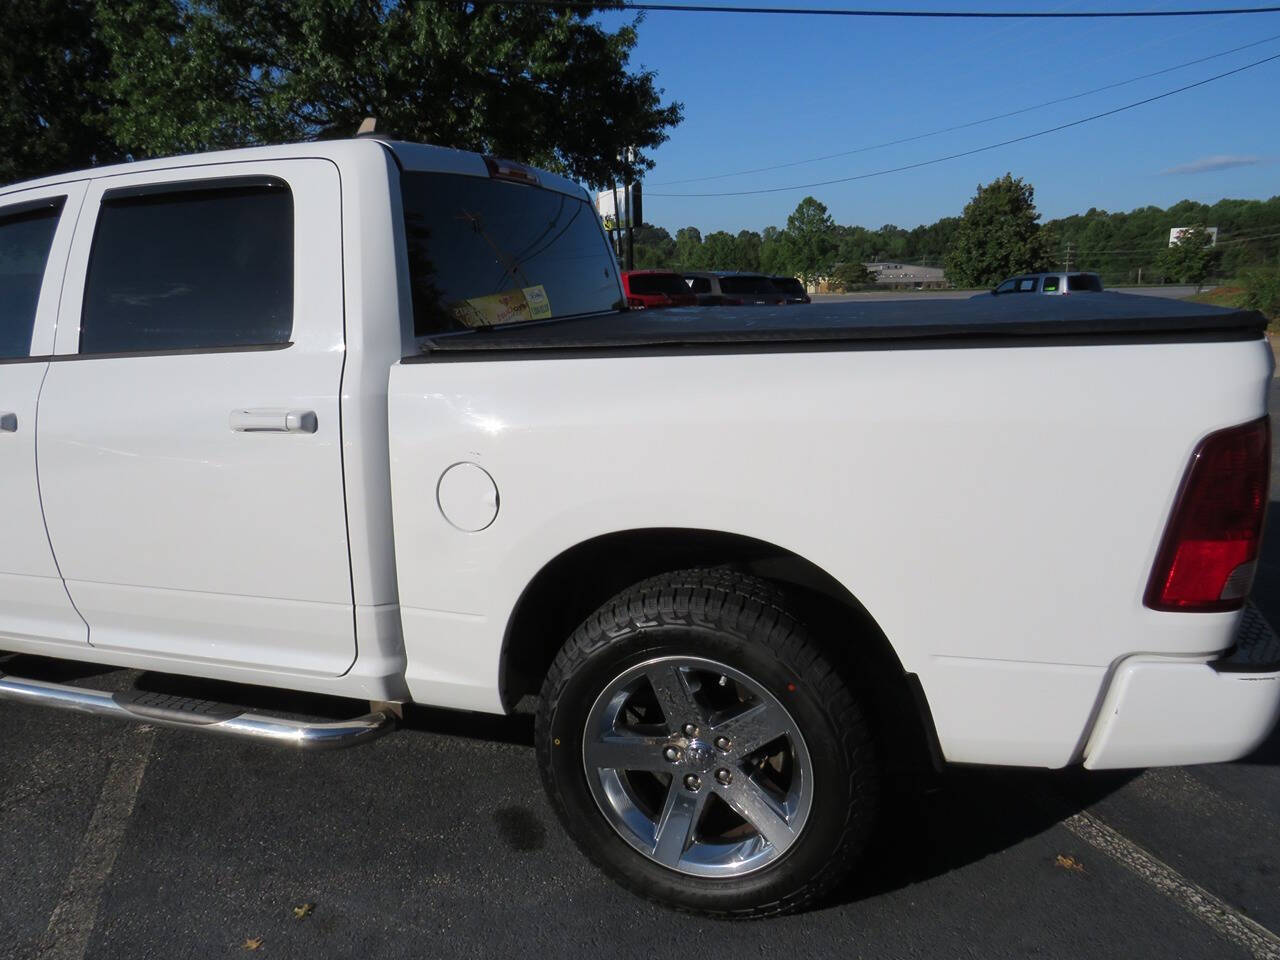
x,y
699,745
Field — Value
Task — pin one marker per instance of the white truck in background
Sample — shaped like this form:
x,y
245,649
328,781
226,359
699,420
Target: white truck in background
x,y
371,419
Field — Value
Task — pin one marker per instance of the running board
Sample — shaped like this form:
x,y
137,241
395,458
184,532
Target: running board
x,y
206,715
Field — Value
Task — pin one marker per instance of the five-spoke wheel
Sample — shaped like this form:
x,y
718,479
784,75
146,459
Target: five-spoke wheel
x,y
697,766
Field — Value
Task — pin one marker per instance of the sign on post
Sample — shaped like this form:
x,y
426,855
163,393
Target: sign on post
x,y
628,198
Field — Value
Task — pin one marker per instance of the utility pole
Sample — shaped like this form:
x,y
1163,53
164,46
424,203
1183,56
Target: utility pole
x,y
1067,265
628,191
617,223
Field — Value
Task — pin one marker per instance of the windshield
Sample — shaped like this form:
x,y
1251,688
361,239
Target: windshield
x,y
747,284
671,284
484,253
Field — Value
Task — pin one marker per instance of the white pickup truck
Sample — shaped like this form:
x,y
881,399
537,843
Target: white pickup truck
x,y
371,419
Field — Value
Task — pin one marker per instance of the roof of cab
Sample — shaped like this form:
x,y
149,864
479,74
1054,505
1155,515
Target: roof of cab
x,y
416,157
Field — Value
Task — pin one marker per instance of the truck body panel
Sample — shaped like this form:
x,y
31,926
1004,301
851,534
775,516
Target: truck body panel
x,y
989,481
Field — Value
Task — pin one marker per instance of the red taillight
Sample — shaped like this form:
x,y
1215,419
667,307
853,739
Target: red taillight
x,y
1207,556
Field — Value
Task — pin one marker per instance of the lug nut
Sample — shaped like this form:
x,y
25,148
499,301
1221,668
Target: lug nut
x,y
672,754
690,730
723,744
693,783
724,775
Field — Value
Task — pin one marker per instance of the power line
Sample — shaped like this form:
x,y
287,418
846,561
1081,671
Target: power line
x,y
971,123
901,14
983,149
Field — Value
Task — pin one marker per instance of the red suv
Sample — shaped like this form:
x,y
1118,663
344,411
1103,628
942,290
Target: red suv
x,y
647,289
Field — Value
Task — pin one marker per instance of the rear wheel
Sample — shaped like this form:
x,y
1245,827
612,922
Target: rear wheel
x,y
701,748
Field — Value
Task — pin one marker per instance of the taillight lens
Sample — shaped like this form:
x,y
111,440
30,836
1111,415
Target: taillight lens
x,y
1207,557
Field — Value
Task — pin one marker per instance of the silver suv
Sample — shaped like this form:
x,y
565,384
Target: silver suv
x,y
1053,284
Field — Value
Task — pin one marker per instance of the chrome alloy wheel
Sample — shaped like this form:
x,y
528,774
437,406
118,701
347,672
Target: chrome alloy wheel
x,y
697,766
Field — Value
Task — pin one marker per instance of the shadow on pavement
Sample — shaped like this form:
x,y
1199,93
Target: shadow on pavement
x,y
969,814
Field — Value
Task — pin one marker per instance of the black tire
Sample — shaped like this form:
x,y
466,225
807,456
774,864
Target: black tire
x,y
744,623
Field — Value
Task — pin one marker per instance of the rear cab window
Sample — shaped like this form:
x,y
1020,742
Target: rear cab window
x,y
26,236
485,253
1050,285
179,267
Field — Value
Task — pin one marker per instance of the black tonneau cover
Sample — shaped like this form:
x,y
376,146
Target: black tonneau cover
x,y
983,321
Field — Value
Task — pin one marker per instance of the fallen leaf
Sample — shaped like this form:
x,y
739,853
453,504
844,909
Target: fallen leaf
x,y
303,911
1069,863
252,943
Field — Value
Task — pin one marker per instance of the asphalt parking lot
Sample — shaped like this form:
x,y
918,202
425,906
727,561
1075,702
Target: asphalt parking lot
x,y
128,841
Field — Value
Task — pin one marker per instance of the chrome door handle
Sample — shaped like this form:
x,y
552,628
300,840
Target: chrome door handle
x,y
8,423
273,421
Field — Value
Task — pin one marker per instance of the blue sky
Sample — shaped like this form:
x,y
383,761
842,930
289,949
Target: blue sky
x,y
763,90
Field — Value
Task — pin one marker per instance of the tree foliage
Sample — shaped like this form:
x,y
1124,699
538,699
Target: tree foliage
x,y
998,235
808,242
850,276
54,73
1124,248
539,84
1189,258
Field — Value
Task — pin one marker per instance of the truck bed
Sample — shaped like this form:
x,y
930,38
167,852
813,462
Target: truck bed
x,y
983,321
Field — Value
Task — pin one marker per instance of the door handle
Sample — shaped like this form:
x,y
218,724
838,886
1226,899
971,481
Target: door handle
x,y
8,423
273,421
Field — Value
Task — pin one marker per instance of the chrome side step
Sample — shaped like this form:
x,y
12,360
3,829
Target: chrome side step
x,y
205,715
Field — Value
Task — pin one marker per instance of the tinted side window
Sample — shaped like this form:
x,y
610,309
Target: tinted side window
x,y
700,284
25,239
1050,284
183,270
1084,281
746,285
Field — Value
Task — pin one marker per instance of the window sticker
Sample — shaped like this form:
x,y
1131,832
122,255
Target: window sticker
x,y
510,306
539,302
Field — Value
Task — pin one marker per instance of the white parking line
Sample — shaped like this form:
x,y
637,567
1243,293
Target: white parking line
x,y
1260,942
67,935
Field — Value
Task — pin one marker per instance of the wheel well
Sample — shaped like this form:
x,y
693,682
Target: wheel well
x,y
577,582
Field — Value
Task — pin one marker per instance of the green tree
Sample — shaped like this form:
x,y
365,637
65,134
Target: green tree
x,y
747,245
1189,258
851,276
54,73
544,85
998,235
809,241
655,248
689,254
719,251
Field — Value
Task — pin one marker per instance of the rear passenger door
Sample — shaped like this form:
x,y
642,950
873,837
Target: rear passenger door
x,y
35,234
190,454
